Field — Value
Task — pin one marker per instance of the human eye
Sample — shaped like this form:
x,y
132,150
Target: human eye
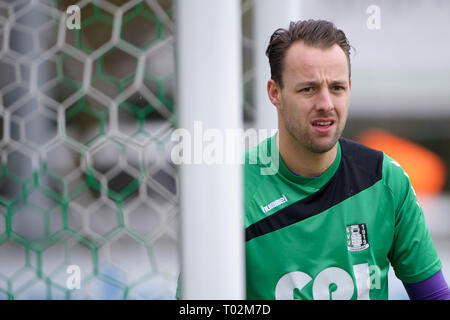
x,y
307,90
338,88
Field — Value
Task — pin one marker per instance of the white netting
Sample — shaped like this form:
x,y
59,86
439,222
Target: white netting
x,y
86,180
85,123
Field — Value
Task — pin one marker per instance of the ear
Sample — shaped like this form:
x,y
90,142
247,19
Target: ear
x,y
274,92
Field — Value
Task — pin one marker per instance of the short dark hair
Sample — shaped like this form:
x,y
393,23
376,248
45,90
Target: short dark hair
x,y
315,33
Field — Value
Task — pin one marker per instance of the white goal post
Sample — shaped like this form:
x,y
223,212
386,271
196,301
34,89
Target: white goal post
x,y
209,90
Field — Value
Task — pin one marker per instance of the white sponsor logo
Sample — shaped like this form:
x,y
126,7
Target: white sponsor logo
x,y
332,283
274,204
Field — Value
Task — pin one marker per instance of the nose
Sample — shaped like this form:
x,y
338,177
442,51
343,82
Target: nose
x,y
324,102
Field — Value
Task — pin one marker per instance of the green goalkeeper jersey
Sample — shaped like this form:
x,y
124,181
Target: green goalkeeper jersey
x,y
332,236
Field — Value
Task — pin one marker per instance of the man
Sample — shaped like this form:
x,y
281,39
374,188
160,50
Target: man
x,y
328,223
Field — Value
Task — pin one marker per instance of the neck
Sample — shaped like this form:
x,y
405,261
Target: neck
x,y
302,161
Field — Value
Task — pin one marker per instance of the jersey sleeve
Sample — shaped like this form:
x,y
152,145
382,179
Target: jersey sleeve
x,y
413,255
433,288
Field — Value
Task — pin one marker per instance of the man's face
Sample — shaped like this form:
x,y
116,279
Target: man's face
x,y
313,103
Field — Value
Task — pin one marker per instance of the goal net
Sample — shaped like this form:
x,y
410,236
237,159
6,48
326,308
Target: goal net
x,y
88,195
89,199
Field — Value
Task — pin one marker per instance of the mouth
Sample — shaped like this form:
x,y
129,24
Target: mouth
x,y
323,126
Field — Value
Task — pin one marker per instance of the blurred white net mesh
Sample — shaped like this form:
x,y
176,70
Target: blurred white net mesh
x,y
85,122
86,180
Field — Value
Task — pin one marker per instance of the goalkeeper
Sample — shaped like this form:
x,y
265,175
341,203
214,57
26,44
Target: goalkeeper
x,y
325,217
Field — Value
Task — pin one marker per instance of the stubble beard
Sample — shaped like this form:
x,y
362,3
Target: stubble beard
x,y
304,137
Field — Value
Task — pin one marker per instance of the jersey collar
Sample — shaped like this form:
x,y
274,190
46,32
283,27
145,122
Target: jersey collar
x,y
316,182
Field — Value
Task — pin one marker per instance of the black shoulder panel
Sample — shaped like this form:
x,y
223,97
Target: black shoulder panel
x,y
360,168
